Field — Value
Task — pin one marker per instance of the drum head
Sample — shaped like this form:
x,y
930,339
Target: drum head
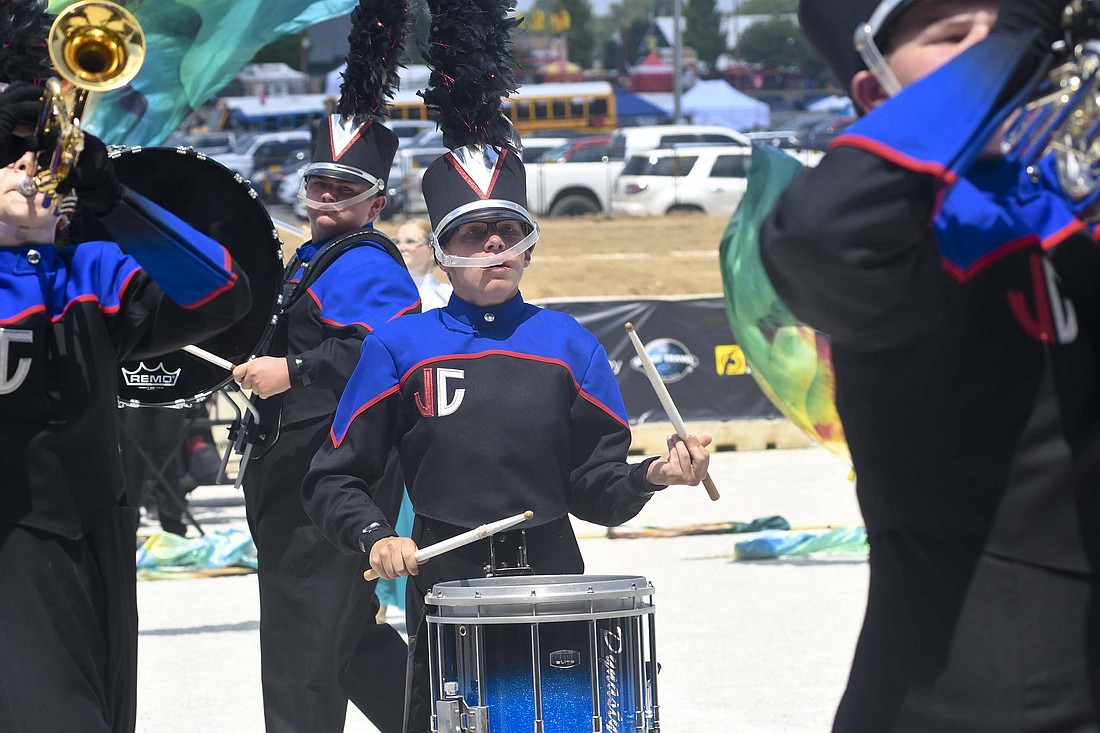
x,y
216,202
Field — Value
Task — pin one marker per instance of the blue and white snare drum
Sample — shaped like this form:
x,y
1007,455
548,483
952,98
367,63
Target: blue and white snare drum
x,y
543,653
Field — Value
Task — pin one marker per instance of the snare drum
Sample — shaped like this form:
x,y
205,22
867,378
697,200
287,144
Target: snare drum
x,y
553,653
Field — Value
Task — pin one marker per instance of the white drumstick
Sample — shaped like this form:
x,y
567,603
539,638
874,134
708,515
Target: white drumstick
x,y
207,356
475,534
666,400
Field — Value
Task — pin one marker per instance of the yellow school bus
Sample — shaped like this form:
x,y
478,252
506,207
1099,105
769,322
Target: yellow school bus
x,y
586,105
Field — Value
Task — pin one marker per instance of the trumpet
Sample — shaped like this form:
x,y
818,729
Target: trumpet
x,y
1063,118
96,46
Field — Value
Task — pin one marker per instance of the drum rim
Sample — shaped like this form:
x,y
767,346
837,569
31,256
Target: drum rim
x,y
197,398
522,590
645,609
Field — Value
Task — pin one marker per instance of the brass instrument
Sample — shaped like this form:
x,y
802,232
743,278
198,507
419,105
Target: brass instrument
x,y
1064,117
96,46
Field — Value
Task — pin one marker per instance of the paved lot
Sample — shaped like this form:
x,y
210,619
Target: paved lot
x,y
743,646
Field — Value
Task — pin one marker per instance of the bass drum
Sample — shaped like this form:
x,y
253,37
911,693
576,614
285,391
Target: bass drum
x,y
218,203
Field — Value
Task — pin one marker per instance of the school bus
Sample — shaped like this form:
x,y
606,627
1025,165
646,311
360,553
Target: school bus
x,y
586,105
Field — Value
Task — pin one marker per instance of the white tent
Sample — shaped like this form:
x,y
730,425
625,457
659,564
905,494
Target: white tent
x,y
715,102
413,77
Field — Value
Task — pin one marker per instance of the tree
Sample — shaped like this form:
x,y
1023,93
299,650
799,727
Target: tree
x,y
703,25
778,42
287,50
577,14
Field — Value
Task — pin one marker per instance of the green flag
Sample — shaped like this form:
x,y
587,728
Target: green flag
x,y
194,48
789,360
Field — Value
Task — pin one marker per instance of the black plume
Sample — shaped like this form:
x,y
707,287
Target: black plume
x,y
473,68
375,47
24,27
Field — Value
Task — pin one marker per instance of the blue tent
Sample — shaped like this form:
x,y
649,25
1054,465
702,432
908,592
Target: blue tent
x,y
633,110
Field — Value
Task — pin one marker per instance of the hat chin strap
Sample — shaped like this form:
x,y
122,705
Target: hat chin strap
x,y
336,205
498,259
864,41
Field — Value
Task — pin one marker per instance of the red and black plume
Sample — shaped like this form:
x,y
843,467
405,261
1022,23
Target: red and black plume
x,y
24,28
376,45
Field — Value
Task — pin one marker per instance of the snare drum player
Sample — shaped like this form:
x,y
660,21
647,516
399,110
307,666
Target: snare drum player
x,y
495,406
319,643
68,316
961,298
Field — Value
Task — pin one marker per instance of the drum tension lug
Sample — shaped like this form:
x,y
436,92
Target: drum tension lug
x,y
454,716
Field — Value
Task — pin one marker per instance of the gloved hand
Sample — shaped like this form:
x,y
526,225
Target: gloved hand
x,y
1026,16
93,179
20,105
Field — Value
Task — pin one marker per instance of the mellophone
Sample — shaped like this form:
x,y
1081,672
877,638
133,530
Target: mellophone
x,y
550,653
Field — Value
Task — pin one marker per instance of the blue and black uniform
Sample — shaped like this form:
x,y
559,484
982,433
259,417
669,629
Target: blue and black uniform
x,y
961,299
494,411
319,643
68,316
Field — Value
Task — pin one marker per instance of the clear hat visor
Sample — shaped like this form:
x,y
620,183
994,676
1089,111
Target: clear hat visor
x,y
335,205
868,50
490,209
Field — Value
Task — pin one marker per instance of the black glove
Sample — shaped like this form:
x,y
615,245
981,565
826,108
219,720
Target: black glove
x,y
20,106
93,179
1027,16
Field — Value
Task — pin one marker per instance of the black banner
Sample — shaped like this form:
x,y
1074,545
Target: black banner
x,y
690,343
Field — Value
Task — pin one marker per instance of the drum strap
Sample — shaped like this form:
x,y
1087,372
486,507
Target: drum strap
x,y
329,254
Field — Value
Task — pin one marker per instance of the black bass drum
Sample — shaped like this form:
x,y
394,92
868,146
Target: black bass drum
x,y
218,203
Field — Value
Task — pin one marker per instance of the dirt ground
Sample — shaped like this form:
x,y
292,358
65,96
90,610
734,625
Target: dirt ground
x,y
598,256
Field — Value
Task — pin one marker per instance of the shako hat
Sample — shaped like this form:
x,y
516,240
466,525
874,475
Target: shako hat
x,y
24,54
353,144
472,69
832,25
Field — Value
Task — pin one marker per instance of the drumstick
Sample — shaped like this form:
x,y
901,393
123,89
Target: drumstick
x,y
666,401
477,533
207,356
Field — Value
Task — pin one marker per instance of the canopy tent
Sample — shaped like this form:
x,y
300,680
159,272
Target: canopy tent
x,y
561,69
631,109
413,77
715,102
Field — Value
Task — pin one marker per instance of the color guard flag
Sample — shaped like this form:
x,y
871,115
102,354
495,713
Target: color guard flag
x,y
194,48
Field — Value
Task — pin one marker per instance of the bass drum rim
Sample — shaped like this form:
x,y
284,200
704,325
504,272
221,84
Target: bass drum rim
x,y
218,202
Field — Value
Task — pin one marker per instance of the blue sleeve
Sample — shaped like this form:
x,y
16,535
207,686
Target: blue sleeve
x,y
190,267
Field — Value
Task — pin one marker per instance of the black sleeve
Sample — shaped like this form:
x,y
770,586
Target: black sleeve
x,y
851,250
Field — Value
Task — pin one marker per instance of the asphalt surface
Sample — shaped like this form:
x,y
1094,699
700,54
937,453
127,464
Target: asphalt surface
x,y
761,646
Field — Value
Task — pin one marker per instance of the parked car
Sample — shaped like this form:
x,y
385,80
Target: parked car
x,y
629,141
408,130
254,152
268,181
208,143
581,150
702,178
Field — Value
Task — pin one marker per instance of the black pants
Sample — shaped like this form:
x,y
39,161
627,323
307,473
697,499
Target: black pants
x,y
68,629
151,441
955,641
551,548
319,642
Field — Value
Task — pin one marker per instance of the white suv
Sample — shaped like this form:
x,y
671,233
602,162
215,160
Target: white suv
x,y
703,178
253,152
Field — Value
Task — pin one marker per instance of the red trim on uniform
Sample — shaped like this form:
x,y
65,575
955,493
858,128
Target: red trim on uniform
x,y
410,309
216,293
1006,249
25,314
1062,234
331,322
517,355
895,156
332,431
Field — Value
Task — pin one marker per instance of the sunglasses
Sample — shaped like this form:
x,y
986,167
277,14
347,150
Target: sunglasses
x,y
510,232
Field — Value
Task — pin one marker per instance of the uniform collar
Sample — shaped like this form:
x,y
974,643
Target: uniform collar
x,y
481,318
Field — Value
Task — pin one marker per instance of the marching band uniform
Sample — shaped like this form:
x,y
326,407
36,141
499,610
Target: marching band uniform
x,y
320,645
961,301
68,316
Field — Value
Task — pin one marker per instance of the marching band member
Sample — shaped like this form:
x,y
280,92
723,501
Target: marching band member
x,y
495,406
68,316
961,299
319,643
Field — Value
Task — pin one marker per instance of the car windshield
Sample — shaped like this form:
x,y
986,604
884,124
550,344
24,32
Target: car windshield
x,y
659,165
553,155
242,143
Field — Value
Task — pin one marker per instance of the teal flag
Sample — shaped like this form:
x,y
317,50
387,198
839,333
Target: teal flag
x,y
790,361
194,48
